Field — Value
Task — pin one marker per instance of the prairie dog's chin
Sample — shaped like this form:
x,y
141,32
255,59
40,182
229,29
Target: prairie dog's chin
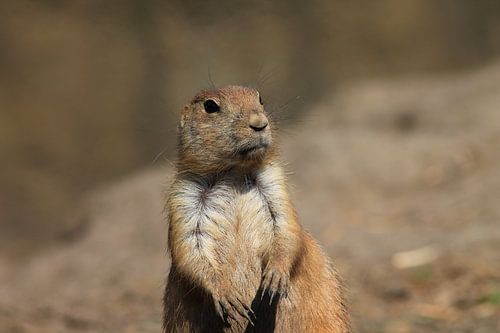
x,y
253,152
256,154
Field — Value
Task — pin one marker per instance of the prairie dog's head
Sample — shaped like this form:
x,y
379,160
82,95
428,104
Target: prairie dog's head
x,y
223,128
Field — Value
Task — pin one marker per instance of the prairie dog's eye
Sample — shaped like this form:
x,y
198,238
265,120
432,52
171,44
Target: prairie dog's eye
x,y
260,100
211,106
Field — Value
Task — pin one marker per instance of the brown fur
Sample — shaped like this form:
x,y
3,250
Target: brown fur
x,y
241,262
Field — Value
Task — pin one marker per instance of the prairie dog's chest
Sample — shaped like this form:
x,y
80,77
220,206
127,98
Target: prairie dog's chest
x,y
247,215
243,203
232,210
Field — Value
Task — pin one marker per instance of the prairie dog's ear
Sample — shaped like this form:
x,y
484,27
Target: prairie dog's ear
x,y
181,124
183,116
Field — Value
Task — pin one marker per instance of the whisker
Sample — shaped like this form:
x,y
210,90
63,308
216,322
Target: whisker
x,y
212,84
262,80
289,102
157,157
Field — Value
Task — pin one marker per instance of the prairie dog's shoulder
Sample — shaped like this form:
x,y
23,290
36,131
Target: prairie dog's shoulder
x,y
272,176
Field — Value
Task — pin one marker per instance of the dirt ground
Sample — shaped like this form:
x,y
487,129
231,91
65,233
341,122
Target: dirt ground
x,y
398,179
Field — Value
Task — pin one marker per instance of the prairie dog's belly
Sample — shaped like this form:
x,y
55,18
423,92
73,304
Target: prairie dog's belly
x,y
245,233
253,223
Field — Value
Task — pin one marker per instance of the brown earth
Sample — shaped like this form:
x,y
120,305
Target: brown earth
x,y
401,165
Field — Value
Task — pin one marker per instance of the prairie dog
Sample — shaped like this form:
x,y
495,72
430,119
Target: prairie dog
x,y
241,262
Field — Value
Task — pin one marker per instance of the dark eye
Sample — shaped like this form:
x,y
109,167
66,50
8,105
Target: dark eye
x,y
210,106
260,100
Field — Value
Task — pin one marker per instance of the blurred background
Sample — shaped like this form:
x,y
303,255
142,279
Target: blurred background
x,y
390,112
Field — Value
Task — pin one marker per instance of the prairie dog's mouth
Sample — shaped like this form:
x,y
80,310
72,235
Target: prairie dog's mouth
x,y
258,148
254,149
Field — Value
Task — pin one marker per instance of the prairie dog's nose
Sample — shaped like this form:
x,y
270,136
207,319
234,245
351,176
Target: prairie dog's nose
x,y
258,121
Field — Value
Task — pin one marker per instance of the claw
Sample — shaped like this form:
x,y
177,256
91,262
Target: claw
x,y
241,309
233,308
249,309
274,284
219,310
251,319
266,284
285,290
271,297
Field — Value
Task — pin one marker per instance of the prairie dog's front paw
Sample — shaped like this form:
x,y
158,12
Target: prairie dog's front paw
x,y
230,305
275,281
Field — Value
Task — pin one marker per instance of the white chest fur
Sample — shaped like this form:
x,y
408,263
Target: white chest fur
x,y
232,213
